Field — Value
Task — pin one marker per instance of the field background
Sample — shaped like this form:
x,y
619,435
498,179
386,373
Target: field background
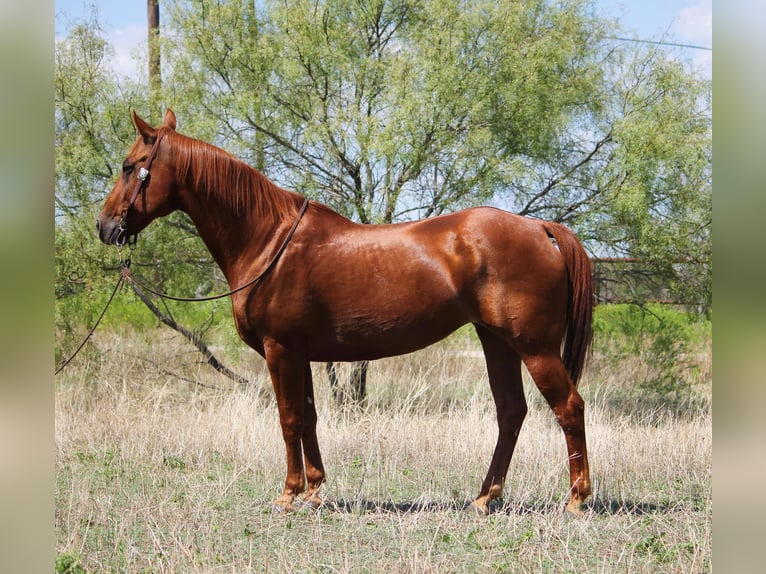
x,y
163,465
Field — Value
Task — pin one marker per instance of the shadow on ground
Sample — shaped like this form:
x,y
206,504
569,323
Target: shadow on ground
x,y
605,507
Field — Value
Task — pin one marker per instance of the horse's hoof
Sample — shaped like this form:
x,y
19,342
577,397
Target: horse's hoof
x,y
282,508
476,509
574,510
312,502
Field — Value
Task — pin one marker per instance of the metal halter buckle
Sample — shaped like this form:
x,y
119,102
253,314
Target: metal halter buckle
x,y
143,173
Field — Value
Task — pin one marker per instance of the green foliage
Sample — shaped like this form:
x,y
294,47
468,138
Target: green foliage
x,y
93,132
387,110
89,144
628,323
665,338
660,207
69,564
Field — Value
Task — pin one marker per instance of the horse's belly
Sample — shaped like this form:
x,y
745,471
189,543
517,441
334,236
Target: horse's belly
x,y
354,337
356,347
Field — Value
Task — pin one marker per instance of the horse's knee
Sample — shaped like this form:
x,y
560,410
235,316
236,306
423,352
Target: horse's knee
x,y
571,414
510,420
575,403
292,427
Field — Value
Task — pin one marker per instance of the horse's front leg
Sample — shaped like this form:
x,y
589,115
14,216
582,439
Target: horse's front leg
x,y
288,375
315,474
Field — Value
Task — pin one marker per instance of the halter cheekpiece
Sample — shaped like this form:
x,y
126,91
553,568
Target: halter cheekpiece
x,y
142,179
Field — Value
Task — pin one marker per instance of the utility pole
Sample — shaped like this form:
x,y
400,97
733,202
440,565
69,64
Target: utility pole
x,y
155,80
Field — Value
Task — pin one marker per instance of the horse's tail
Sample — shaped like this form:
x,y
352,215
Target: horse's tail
x,y
580,301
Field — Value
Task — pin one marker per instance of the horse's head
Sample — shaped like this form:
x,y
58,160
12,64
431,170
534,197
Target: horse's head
x,y
145,188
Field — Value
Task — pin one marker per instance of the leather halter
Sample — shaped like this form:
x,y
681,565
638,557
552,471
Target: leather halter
x,y
142,179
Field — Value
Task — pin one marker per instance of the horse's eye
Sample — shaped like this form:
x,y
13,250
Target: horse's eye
x,y
127,168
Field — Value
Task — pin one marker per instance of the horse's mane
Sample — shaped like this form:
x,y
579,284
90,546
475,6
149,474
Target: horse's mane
x,y
231,181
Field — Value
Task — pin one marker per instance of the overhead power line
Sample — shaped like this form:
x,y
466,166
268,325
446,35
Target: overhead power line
x,y
661,43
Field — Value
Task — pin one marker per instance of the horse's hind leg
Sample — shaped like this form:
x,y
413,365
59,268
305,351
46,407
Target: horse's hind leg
x,y
554,383
504,369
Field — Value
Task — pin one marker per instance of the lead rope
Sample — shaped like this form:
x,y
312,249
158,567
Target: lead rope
x,y
128,274
123,277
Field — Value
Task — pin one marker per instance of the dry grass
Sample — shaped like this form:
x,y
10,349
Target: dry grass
x,y
158,474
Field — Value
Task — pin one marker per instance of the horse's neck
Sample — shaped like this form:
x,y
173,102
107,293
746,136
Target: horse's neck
x,y
239,241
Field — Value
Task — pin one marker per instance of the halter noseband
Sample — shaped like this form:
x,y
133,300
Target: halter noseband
x,y
142,179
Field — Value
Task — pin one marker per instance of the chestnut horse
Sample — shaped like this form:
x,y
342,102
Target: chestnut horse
x,y
336,290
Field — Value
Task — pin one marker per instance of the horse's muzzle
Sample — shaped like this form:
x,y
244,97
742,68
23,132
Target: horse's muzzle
x,y
110,232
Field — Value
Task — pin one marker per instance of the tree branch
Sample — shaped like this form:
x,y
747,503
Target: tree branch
x,y
191,337
528,208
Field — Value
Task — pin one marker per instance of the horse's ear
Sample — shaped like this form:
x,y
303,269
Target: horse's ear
x,y
169,120
148,133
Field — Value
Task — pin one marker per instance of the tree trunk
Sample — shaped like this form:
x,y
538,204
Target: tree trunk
x,y
155,79
356,391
